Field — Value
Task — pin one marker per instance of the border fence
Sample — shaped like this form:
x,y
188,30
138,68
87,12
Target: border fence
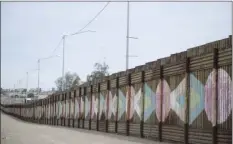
x,y
184,98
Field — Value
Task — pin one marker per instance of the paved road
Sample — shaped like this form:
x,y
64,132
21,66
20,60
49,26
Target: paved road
x,y
14,131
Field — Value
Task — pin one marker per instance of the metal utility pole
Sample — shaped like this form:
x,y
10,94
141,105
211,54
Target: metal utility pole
x,y
63,62
14,90
27,82
26,85
127,39
38,89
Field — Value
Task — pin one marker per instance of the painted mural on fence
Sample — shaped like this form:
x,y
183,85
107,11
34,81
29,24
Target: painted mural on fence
x,y
224,96
138,102
114,105
67,108
177,100
149,101
102,105
166,100
87,106
200,98
131,97
108,104
93,103
197,99
72,108
82,107
76,108
122,105
63,108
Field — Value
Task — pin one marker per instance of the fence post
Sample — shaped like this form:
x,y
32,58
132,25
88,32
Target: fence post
x,y
63,109
97,127
117,95
84,107
142,113
107,111
187,95
215,97
33,107
79,96
129,103
161,103
75,113
69,103
91,92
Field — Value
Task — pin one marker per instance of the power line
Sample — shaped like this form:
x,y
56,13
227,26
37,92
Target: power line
x,y
95,16
57,46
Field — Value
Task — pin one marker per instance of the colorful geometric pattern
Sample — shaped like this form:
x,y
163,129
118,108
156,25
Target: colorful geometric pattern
x,y
76,108
166,100
102,105
138,103
224,96
209,87
109,105
72,108
196,98
122,104
87,106
114,105
177,98
132,93
93,106
82,106
149,102
96,105
67,108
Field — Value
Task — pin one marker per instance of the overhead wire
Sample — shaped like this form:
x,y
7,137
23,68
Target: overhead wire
x,y
105,6
57,46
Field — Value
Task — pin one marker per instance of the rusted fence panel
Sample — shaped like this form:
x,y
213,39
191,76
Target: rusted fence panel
x,y
151,122
121,125
200,127
136,99
112,115
76,108
224,96
82,107
87,93
102,105
72,109
173,99
94,110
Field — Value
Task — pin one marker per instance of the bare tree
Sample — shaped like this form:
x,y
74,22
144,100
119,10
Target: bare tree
x,y
100,70
71,80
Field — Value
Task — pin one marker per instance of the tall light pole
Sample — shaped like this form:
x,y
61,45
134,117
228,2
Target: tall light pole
x,y
63,52
38,62
38,88
127,38
26,85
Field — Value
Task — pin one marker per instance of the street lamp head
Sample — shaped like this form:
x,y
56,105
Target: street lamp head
x,y
91,31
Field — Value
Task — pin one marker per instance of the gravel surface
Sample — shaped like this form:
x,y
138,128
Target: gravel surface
x,y
15,131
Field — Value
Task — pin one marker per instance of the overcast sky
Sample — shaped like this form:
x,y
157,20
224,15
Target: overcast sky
x,y
33,30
